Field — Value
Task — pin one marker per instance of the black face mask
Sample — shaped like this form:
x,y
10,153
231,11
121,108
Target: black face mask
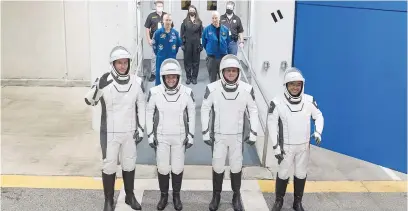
x,y
191,14
229,11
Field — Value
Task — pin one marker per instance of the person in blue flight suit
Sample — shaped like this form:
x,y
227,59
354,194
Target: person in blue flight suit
x,y
215,40
166,42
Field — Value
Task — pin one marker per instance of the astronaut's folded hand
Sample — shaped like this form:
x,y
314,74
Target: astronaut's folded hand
x,y
317,137
251,139
103,81
188,141
207,139
153,142
138,136
279,157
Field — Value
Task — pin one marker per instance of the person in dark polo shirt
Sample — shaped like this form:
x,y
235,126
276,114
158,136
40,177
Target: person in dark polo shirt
x,y
234,24
153,22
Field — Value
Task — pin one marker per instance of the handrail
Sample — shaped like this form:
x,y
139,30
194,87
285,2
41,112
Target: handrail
x,y
264,126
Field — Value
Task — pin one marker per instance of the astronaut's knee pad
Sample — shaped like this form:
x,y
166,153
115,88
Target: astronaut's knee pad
x,y
236,167
300,173
109,166
283,174
163,169
177,169
129,164
218,168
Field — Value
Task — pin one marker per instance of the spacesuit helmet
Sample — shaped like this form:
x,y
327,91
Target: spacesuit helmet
x,y
170,67
120,52
292,75
229,61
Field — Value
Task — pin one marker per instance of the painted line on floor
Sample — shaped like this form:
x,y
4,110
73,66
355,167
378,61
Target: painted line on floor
x,y
390,173
341,186
95,183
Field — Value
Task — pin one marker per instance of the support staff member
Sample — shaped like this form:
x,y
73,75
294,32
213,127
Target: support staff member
x,y
215,40
234,24
166,42
153,22
190,32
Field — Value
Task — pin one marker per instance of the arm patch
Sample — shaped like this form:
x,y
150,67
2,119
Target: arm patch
x,y
315,103
148,97
207,92
253,94
271,107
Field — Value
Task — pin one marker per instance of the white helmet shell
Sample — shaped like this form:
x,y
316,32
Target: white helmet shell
x,y
293,74
230,60
170,67
120,52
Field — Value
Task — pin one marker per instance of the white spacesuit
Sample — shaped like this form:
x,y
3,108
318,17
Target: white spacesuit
x,y
289,130
228,100
170,124
122,121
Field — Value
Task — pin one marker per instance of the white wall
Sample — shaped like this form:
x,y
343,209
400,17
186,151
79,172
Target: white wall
x,y
270,42
64,40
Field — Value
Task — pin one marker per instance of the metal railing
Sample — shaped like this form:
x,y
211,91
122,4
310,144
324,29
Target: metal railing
x,y
263,125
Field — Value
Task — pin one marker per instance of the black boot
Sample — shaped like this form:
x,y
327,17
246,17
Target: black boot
x,y
176,181
188,81
217,188
194,80
236,186
108,181
280,190
129,183
299,187
164,191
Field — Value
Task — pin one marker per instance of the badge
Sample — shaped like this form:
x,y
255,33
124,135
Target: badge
x,y
234,21
173,47
160,47
209,33
163,36
223,33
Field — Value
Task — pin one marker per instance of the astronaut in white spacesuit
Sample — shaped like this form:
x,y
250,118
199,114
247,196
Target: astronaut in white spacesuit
x,y
227,99
122,123
170,124
289,120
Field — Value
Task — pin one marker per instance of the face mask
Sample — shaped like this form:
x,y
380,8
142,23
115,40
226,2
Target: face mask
x,y
159,9
229,11
191,13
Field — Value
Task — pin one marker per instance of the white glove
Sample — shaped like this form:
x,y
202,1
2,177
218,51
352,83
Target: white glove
x,y
138,136
317,137
251,139
152,142
206,138
188,142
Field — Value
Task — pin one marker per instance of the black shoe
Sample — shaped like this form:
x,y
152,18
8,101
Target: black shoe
x,y
299,187
280,191
164,191
108,181
188,81
236,186
217,188
128,181
152,77
194,80
176,181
